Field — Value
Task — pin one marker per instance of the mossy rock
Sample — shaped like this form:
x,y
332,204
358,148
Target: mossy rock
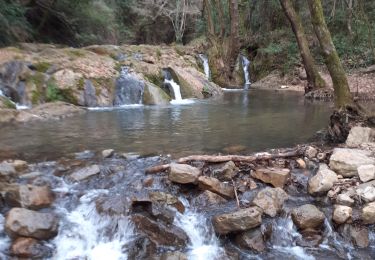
x,y
6,103
154,95
42,66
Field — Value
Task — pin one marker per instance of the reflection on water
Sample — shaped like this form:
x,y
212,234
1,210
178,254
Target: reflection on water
x,y
254,119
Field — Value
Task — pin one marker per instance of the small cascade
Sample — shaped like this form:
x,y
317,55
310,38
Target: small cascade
x,y
245,67
129,89
206,66
175,88
17,105
203,241
88,235
4,240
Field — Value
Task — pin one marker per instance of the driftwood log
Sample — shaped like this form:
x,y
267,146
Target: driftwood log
x,y
227,158
239,158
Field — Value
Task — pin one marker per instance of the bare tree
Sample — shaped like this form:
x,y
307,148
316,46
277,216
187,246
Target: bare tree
x,y
176,11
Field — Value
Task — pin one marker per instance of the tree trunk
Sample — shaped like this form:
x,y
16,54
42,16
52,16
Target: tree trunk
x,y
343,97
314,80
224,50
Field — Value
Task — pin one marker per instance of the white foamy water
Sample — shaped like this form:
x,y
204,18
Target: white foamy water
x,y
85,234
204,244
206,66
245,67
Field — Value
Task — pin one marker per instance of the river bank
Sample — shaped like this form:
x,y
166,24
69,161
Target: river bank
x,y
307,202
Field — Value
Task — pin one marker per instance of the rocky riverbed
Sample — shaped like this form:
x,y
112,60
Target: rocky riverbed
x,y
308,202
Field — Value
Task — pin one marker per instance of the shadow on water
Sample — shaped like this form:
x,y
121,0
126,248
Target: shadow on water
x,y
253,119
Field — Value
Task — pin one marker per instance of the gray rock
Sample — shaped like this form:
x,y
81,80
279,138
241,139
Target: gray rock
x,y
277,177
308,216
368,213
251,239
359,236
342,214
208,198
85,173
241,220
366,172
216,186
28,223
322,181
311,152
366,193
346,161
226,171
344,199
7,169
359,135
108,153
159,233
270,200
183,173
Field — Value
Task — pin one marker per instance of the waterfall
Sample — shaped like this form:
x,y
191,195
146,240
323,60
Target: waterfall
x,y
206,66
175,88
18,106
129,89
245,67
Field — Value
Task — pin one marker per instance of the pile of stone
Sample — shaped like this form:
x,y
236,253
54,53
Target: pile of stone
x,y
29,221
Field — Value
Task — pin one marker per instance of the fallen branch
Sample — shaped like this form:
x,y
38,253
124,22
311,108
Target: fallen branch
x,y
235,194
239,158
158,168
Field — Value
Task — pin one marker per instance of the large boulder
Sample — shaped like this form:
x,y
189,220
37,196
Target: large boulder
x,y
30,248
308,216
342,214
241,220
270,200
368,213
251,239
28,223
322,181
216,186
346,161
277,177
159,233
85,173
183,173
359,135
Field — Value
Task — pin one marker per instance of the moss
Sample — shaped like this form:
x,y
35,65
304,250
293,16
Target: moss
x,y
75,53
154,79
42,66
81,84
158,53
179,50
7,103
35,97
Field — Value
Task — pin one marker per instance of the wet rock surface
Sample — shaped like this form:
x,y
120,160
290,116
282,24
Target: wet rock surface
x,y
308,216
270,200
240,220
